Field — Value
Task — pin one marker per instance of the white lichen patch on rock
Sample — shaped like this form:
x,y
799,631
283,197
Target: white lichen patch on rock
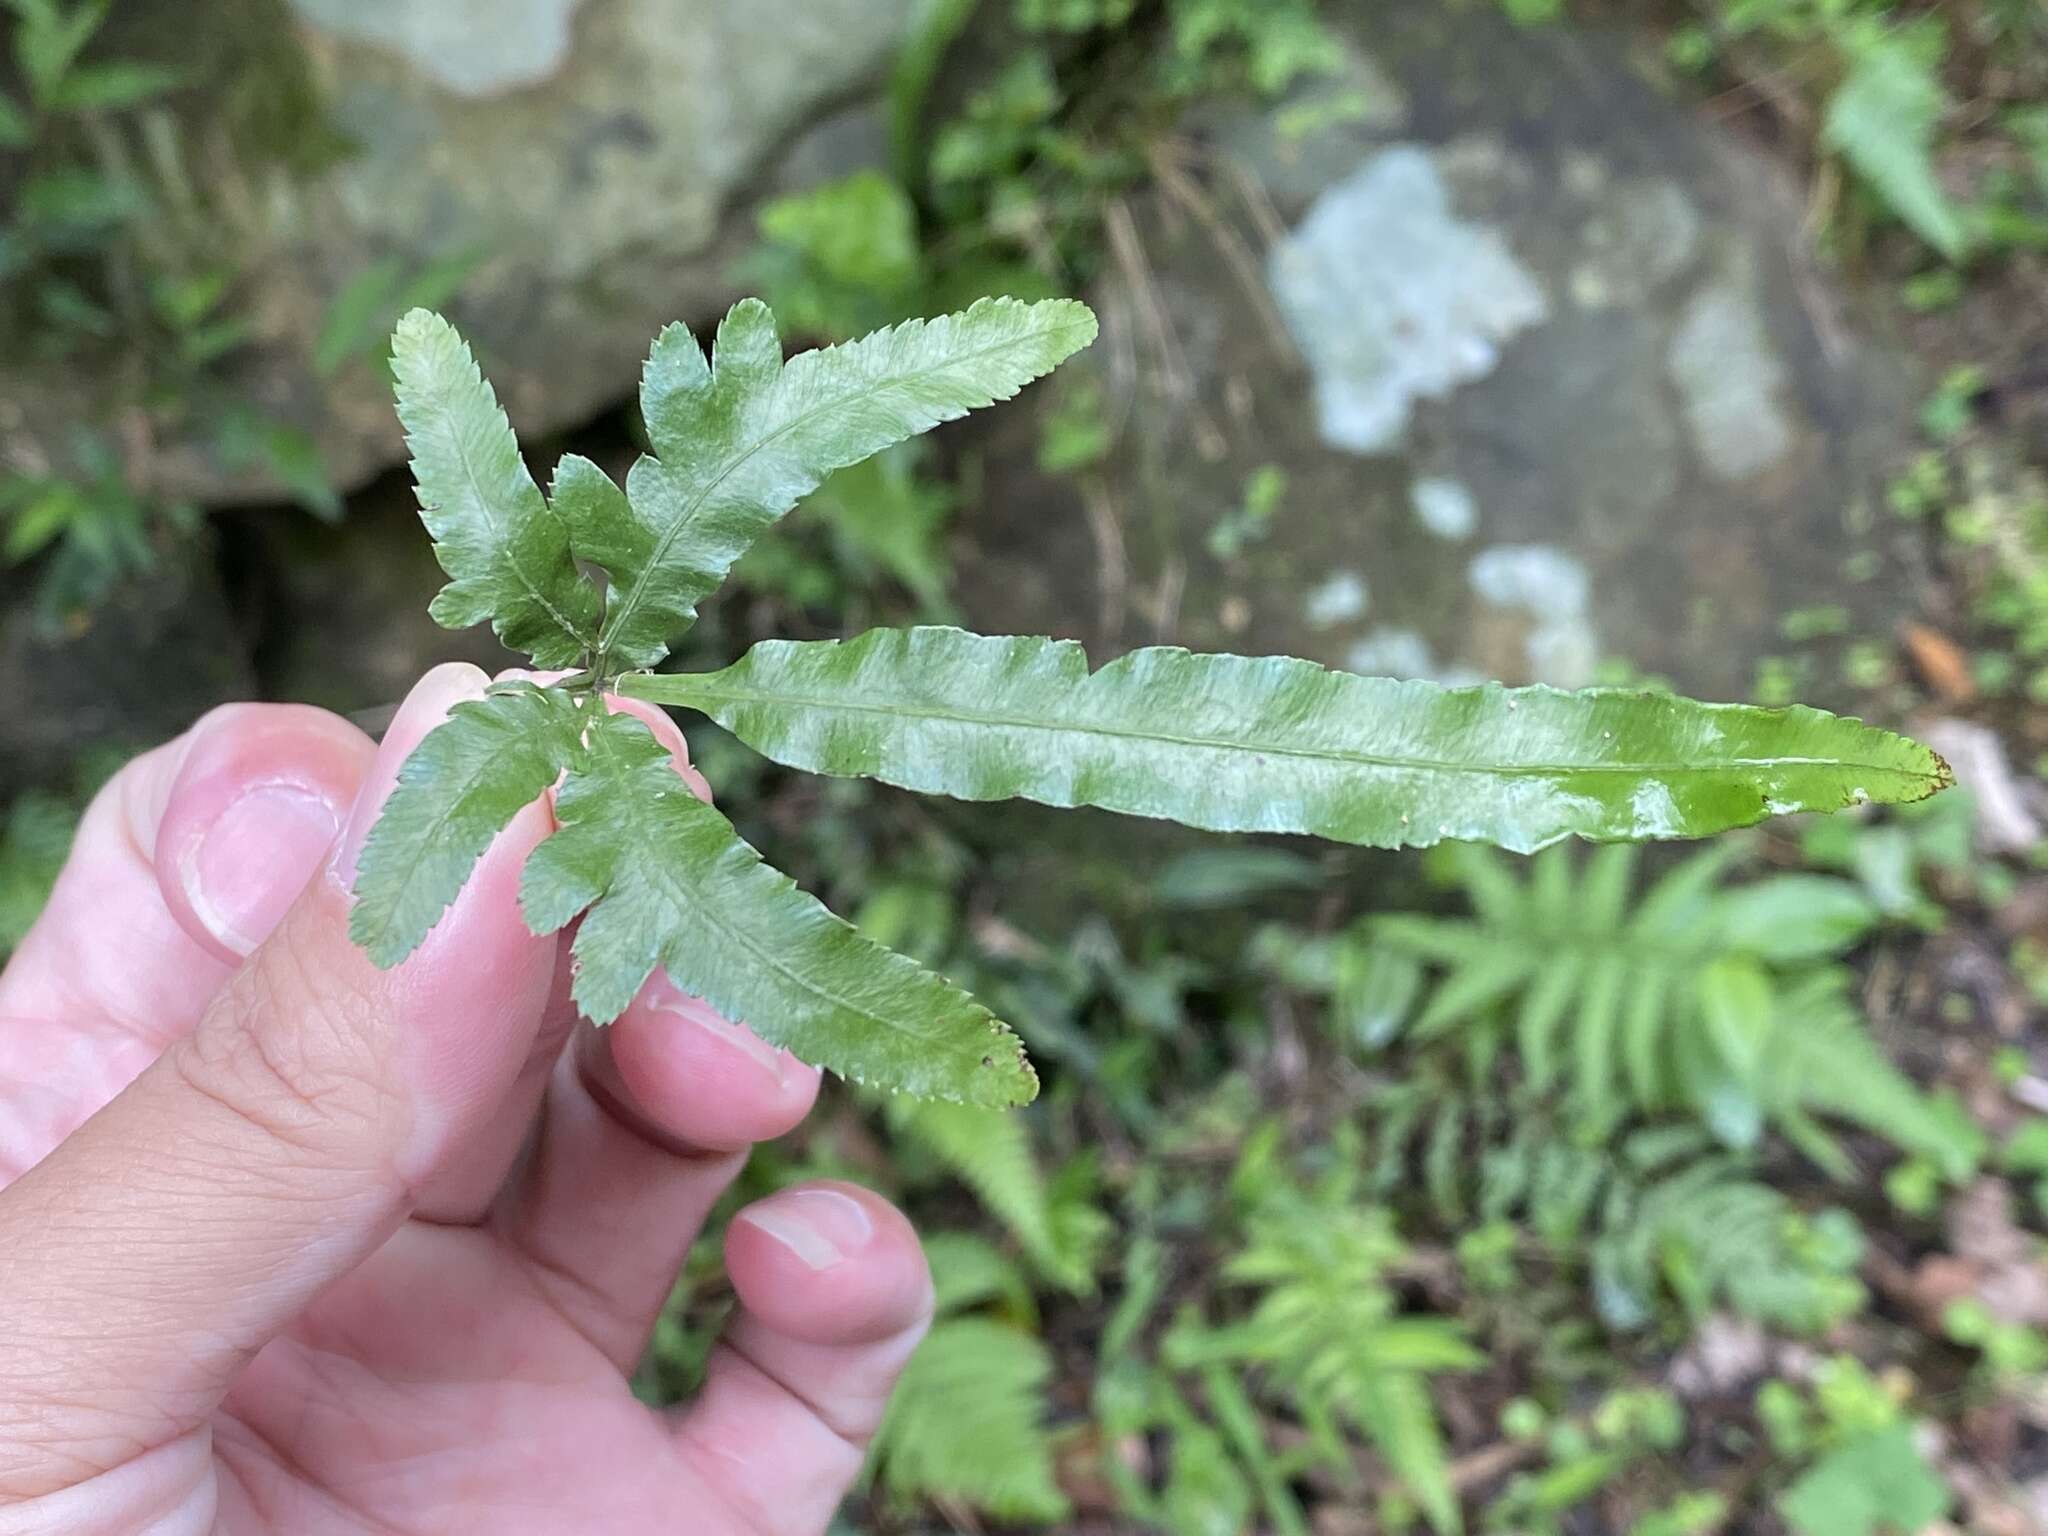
x,y
1342,599
1390,651
1730,378
473,47
1444,507
1539,579
1642,235
1553,589
1393,298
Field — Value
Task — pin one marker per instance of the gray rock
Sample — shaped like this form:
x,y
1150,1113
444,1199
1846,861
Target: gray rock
x,y
593,160
1536,351
156,655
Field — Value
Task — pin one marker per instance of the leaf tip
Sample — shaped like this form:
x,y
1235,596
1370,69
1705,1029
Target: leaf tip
x,y
1007,1079
378,940
1082,318
416,325
1072,326
1943,776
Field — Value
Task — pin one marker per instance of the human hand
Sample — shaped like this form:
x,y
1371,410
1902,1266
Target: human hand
x,y
289,1244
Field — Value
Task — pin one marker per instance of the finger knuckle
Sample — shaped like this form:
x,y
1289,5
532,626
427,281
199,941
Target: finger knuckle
x,y
296,1055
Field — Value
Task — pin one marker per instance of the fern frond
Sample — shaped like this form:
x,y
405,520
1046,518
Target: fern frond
x,y
1329,1331
1710,1232
1663,1212
1831,1065
967,1424
1718,999
968,1271
1060,1229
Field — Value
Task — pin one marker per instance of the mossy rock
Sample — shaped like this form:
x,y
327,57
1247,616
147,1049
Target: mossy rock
x,y
578,172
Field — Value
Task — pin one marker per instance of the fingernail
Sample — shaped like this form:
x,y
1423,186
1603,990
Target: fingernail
x,y
424,708
664,998
820,1226
247,868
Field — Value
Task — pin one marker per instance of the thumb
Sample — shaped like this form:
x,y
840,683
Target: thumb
x,y
261,1157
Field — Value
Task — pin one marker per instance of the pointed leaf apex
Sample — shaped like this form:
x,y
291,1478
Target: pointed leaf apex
x,y
419,320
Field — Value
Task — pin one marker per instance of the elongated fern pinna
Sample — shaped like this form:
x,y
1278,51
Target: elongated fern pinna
x,y
1229,743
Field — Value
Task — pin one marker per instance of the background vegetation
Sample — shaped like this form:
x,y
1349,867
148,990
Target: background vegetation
x,y
1664,1194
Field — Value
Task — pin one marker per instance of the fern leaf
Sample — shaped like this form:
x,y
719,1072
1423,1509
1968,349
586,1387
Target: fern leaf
x,y
1708,1232
992,1154
1400,1419
505,550
1883,119
1277,744
1542,1012
1735,1006
1669,909
1726,1103
1325,1325
1642,1033
1472,989
1593,1052
740,439
660,878
1715,998
1795,917
1830,1063
471,775
1445,940
1550,890
966,1424
1443,1160
968,1271
1604,887
1376,996
1232,1408
1496,895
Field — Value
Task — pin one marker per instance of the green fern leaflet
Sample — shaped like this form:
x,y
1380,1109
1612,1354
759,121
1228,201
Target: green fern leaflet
x,y
1723,1000
966,1424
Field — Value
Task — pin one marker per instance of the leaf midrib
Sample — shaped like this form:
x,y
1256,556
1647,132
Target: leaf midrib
x,y
691,693
615,620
